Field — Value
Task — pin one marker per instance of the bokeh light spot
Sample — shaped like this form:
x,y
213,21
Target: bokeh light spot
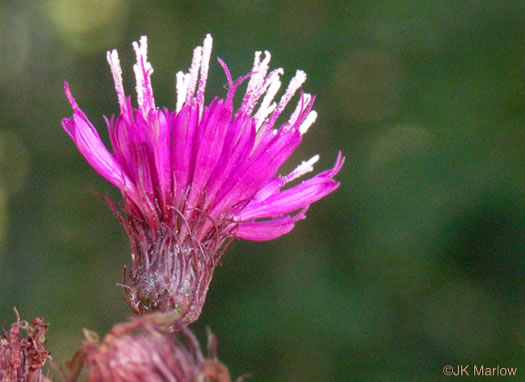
x,y
368,85
399,143
87,25
14,161
15,44
14,165
463,319
4,217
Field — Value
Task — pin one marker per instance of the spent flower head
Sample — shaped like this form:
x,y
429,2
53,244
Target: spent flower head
x,y
22,351
196,177
144,349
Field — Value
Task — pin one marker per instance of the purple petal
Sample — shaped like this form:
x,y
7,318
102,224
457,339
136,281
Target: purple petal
x,y
270,229
299,196
184,126
92,148
237,147
212,131
257,170
163,155
289,200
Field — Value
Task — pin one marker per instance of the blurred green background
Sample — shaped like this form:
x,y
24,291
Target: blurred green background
x,y
417,261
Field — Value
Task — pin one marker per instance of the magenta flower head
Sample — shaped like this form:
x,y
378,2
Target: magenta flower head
x,y
194,178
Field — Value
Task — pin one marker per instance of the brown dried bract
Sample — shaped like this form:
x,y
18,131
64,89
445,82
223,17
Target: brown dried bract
x,y
22,357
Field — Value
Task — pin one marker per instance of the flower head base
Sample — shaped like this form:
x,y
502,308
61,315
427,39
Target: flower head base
x,y
196,177
144,350
22,358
